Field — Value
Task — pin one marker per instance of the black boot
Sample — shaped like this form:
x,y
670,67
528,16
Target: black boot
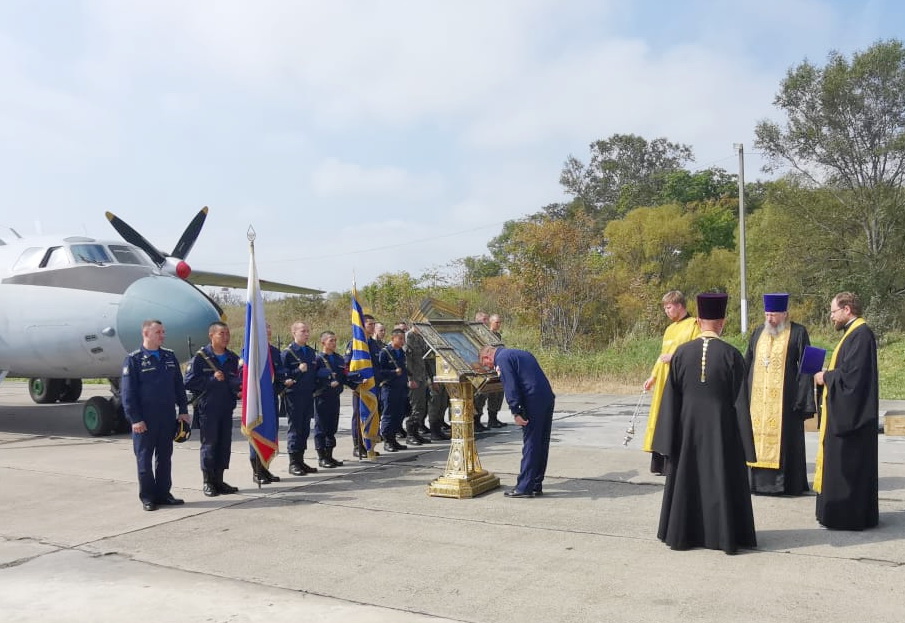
x,y
209,489
333,462
308,469
438,434
478,427
258,475
222,487
272,477
295,464
413,437
322,458
493,421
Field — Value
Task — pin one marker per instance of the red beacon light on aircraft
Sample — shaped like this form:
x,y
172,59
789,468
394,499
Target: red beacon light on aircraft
x,y
183,270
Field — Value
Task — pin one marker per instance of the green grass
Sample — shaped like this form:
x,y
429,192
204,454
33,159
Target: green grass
x,y
623,366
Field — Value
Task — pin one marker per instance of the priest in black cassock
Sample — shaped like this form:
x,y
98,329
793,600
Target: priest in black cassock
x,y
781,400
846,473
704,430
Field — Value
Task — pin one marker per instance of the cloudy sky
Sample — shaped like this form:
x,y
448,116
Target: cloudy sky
x,y
371,136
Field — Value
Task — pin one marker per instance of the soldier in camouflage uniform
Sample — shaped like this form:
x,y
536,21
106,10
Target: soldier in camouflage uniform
x,y
419,380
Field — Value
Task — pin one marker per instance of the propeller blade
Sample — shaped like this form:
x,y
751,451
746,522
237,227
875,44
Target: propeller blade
x,y
190,235
133,237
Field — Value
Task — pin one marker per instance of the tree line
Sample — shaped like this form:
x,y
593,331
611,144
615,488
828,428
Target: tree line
x,y
640,221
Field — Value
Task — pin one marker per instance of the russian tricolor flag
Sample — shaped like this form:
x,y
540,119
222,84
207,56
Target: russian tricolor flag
x,y
259,415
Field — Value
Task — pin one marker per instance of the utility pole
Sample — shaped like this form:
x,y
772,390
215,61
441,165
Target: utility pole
x,y
741,234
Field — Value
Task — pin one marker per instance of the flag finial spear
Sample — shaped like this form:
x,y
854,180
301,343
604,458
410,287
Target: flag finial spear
x,y
251,234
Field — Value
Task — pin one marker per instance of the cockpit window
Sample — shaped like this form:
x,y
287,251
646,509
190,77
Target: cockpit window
x,y
125,254
55,257
29,259
90,254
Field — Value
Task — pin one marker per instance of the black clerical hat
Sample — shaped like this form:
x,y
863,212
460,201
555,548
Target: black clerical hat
x,y
712,305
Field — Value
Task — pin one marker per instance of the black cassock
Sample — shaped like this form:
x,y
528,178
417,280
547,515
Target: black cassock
x,y
797,405
704,428
848,497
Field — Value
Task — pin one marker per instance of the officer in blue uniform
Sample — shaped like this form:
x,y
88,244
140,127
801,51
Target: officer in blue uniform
x,y
531,402
331,379
300,363
260,475
214,376
153,398
394,389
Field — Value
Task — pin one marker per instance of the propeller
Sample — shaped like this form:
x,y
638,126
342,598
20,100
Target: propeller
x,y
190,235
133,237
173,263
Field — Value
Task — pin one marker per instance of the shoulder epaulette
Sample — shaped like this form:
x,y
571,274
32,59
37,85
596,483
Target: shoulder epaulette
x,y
135,352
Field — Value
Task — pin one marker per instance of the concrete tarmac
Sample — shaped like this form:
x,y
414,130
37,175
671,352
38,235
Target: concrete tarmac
x,y
365,543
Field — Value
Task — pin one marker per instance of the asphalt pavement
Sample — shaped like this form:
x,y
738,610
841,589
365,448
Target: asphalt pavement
x,y
365,543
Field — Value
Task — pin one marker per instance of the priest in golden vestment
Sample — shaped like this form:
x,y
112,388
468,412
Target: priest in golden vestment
x,y
684,328
782,398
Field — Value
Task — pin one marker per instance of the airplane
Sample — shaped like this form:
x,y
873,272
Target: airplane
x,y
71,308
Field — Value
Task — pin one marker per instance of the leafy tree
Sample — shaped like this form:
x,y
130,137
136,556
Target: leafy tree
x,y
625,171
845,133
683,186
552,268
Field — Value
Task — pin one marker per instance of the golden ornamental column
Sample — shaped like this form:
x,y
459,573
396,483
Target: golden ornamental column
x,y
464,477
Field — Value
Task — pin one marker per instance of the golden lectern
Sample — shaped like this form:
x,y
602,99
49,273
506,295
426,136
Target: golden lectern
x,y
454,344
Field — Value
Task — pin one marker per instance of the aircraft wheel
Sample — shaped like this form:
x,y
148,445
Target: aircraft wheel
x,y
72,389
99,416
45,391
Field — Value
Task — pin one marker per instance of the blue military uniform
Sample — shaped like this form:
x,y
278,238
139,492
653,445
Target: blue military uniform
x,y
152,392
326,406
299,403
394,394
215,404
528,394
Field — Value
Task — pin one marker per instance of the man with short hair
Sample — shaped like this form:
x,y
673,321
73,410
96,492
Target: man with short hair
x,y
781,400
394,385
300,362
531,401
704,431
420,377
331,379
846,475
684,328
154,401
215,377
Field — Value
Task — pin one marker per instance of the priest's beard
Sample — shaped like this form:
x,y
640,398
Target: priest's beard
x,y
774,331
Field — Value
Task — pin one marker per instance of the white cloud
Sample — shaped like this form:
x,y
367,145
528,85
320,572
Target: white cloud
x,y
333,178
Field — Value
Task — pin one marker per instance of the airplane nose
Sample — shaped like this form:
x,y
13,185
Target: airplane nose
x,y
185,313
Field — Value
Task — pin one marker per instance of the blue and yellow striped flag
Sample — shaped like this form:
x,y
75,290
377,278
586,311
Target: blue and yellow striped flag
x,y
360,366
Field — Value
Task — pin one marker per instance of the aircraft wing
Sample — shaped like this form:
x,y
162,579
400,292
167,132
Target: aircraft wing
x,y
205,278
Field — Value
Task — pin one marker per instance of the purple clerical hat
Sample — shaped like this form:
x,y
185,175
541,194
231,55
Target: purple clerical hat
x,y
812,360
712,305
776,302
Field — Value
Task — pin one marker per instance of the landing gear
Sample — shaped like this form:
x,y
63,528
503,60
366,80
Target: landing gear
x,y
72,389
104,416
46,391
99,416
